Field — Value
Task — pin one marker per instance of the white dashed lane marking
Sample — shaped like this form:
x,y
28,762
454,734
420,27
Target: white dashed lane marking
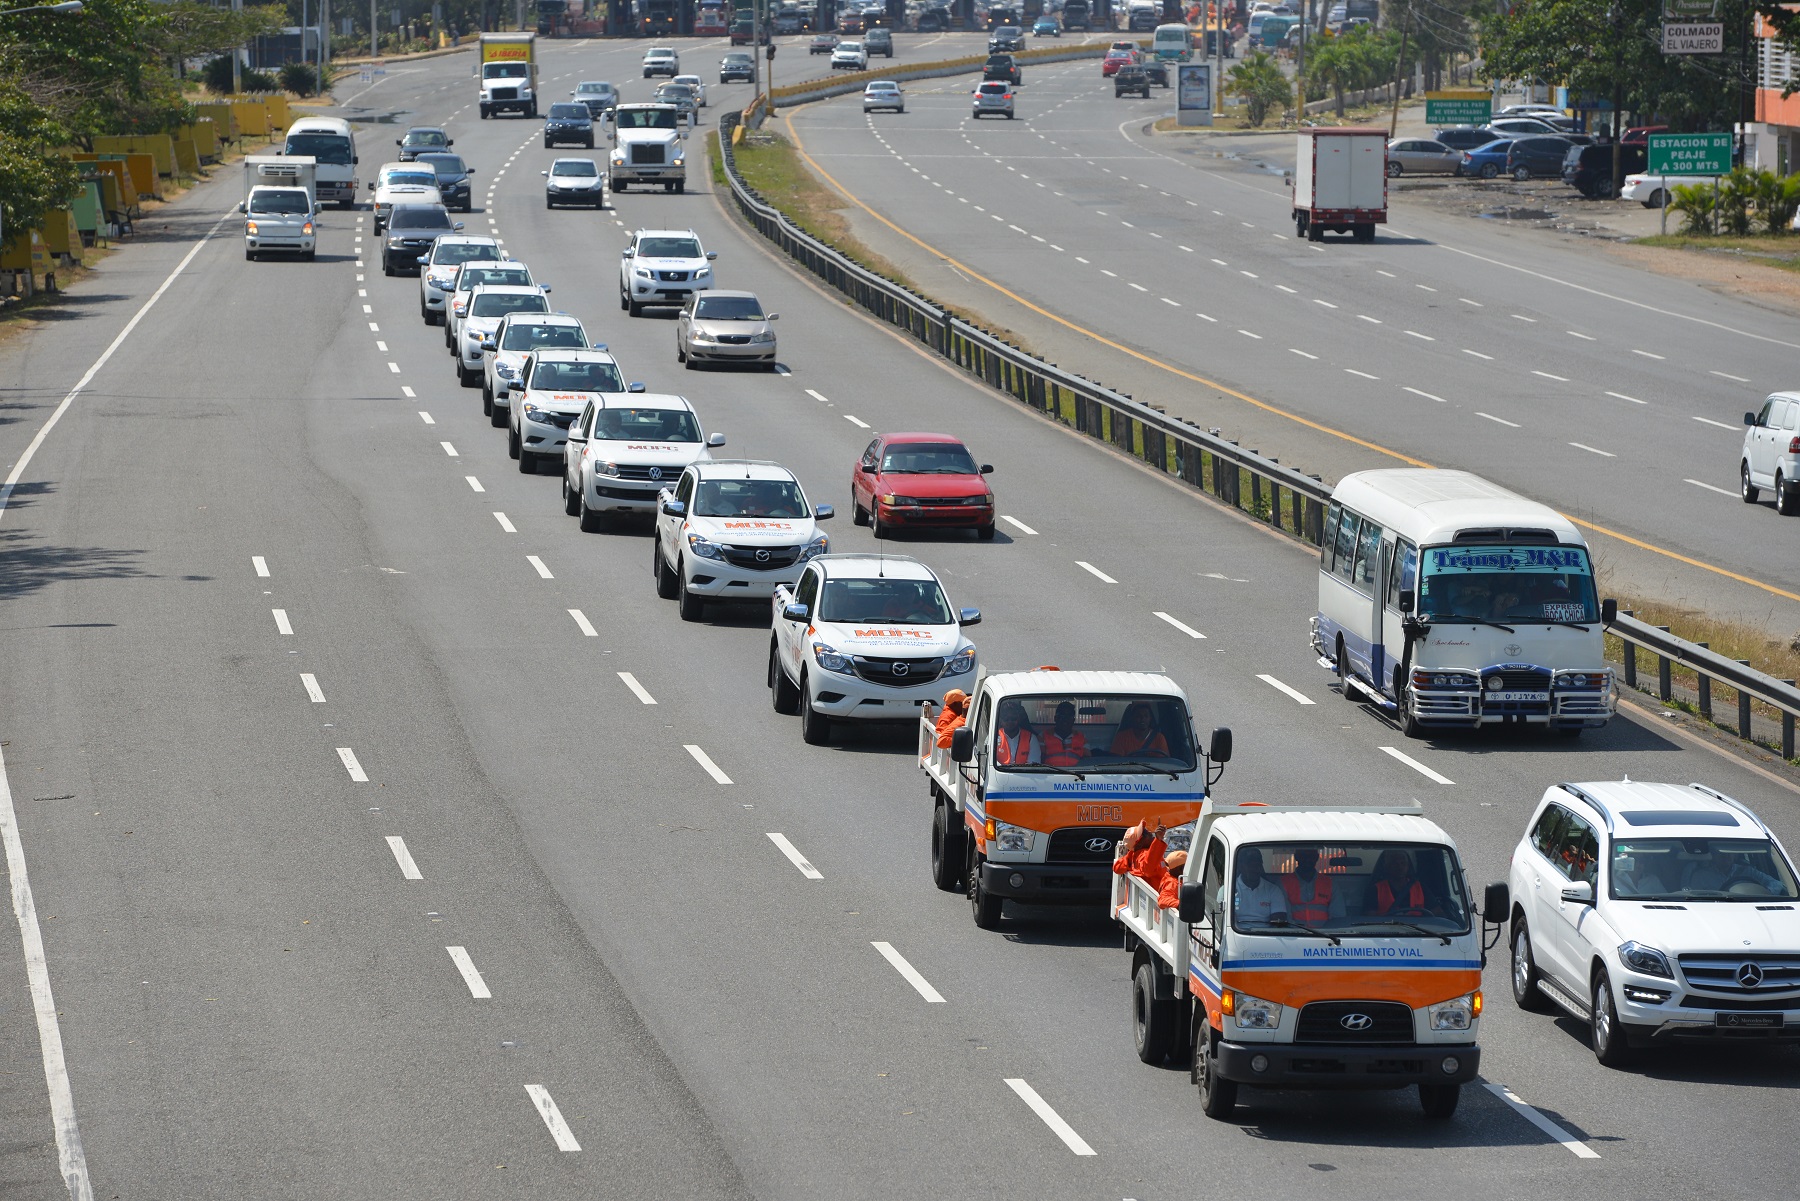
x,y
1403,757
1095,572
908,973
1183,626
408,869
795,857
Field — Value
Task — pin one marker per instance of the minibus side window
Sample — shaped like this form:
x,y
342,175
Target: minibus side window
x,y
1368,554
1346,546
1328,543
1403,572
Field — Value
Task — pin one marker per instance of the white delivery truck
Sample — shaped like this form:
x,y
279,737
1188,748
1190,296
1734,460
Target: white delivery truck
x,y
1340,182
329,142
279,171
508,66
280,206
1033,793
1311,947
1451,602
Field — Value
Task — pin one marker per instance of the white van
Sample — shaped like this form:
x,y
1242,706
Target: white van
x,y
1452,602
1172,43
330,142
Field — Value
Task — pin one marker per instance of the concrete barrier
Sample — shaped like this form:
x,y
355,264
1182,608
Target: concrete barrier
x,y
224,119
824,89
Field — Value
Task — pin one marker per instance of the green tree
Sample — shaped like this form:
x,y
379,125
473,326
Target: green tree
x,y
33,180
1261,84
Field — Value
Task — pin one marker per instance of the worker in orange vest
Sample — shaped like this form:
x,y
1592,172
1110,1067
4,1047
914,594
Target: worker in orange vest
x,y
1169,895
1063,745
1308,893
1397,890
1014,744
1140,852
955,713
1137,733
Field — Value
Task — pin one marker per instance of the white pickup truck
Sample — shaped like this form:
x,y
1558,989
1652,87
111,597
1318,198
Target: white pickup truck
x,y
733,530
1311,947
1034,791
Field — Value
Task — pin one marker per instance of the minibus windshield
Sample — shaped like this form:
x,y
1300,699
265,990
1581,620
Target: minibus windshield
x,y
1506,583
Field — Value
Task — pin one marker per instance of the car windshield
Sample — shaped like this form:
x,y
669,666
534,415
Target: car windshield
x,y
1101,733
532,335
576,377
453,254
445,164
1368,889
883,85
674,91
919,602
331,148
649,425
668,248
574,166
280,200
594,89
1504,583
504,71
648,118
927,458
498,304
728,308
417,179
749,498
569,112
426,137
475,277
1697,869
737,60
421,217
660,52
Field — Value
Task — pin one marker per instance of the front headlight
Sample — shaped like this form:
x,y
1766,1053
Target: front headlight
x,y
1444,679
640,272
1457,1014
702,270
765,336
1016,839
961,663
249,227
611,469
1252,1013
1179,838
439,281
618,156
307,228
704,549
1645,960
700,335
505,370
896,500
817,546
679,162
831,659
538,414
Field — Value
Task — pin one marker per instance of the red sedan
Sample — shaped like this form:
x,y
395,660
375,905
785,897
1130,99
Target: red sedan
x,y
921,481
1109,66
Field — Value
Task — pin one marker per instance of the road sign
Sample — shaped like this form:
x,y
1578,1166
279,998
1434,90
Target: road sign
x,y
1690,153
1690,37
1458,108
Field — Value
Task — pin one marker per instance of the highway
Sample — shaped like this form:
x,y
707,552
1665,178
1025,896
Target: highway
x,y
388,837
1152,263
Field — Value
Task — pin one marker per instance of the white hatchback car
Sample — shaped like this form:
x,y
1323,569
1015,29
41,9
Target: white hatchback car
x,y
1771,456
732,529
620,455
1655,913
553,388
662,267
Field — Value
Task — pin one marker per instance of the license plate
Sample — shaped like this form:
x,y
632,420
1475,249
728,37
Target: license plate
x,y
1524,697
1750,1021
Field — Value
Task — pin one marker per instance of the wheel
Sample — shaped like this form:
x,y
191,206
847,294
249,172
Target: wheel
x,y
571,498
681,355
548,203
308,256
500,415
532,111
880,528
512,444
1605,1031
424,313
1365,233
387,268
1750,492
467,378
548,144
693,607
1393,169
528,462
680,186
1409,721
249,256
985,533
947,854
1315,232
634,308
1656,200
1524,972
1218,1097
1489,170
1787,497
858,514
1343,665
624,301
815,727
1439,1100
1521,174
1152,1021
666,584
984,906
484,112
487,399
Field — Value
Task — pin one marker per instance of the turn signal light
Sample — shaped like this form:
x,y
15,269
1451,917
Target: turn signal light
x,y
1475,1004
1228,1003
992,833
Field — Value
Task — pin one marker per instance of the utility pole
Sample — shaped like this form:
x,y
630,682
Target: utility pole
x,y
324,44
1300,69
237,55
1405,29
374,38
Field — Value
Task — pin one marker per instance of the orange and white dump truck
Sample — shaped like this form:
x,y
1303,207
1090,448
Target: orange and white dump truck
x,y
1034,792
1312,947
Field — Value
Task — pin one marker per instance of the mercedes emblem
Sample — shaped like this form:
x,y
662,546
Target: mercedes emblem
x,y
901,669
1098,845
1750,975
1356,1022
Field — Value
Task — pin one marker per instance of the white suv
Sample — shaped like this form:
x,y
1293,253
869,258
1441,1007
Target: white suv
x,y
662,267
865,638
622,453
1655,913
554,387
732,529
469,276
661,60
1771,457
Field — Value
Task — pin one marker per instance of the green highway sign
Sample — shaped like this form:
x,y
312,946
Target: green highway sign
x,y
1458,108
1690,153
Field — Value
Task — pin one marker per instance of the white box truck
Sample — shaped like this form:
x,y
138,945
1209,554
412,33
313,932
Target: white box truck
x,y
508,66
1340,183
280,207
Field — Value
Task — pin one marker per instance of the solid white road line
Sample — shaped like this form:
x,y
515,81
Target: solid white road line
x,y
1621,396
281,621
1248,334
908,972
1711,487
474,483
1397,753
538,564
1519,317
1413,333
1185,628
310,682
586,626
71,1159
1278,686
352,766
426,417
1095,572
449,450
795,857
261,564
1710,421
1580,1149
1326,303
637,689
705,761
1369,319
477,986
408,869
1018,525
504,523
1593,450
1476,303
1583,337
1501,420
1051,1118
1478,354
1426,395
856,421
546,1107
1648,355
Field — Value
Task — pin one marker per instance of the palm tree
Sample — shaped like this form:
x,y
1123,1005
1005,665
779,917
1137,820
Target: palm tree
x,y
1260,82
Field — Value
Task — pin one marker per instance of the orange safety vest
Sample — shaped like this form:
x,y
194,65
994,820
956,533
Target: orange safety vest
x,y
1308,912
1384,897
1004,750
1061,753
1130,742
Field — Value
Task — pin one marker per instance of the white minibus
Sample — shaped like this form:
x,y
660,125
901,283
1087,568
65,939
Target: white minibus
x,y
1454,603
1172,43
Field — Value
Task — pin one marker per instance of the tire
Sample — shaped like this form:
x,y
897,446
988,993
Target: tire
x,y
1606,1033
513,446
666,583
858,514
680,186
1343,663
624,301
984,907
548,204
1152,1021
878,527
308,256
1524,972
693,608
1365,233
1489,170
528,462
1218,1097
1750,492
548,144
815,727
1787,497
468,379
1409,722
1439,1100
1655,201
1521,174
985,533
1394,170
947,853
621,186
782,693
387,268
680,352
571,498
593,521
634,308
501,414
250,256
1315,232
487,398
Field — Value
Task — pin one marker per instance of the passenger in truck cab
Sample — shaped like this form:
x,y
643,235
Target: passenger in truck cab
x,y
906,601
1014,744
954,714
1397,890
1308,893
1256,899
1064,746
1137,732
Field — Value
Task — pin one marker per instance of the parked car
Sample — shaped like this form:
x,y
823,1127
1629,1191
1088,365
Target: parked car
x,y
1422,156
1652,191
1514,127
1465,137
1771,457
1639,135
1488,160
1536,157
1589,169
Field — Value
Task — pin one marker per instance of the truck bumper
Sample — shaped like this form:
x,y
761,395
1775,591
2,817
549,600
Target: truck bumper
x,y
1048,883
337,191
1286,1065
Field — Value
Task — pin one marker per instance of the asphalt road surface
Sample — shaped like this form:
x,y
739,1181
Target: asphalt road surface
x,y
361,870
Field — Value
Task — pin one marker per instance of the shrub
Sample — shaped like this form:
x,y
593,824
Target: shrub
x,y
1261,84
302,79
1777,199
1694,201
1737,195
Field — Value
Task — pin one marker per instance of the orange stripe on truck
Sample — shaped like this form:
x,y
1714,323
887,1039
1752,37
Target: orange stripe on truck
x,y
1413,987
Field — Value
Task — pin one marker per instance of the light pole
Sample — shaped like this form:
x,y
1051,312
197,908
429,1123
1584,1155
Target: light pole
x,y
67,7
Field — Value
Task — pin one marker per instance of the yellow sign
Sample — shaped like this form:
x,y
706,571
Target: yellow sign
x,y
506,52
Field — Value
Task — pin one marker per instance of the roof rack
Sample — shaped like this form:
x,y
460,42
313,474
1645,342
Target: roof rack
x,y
1732,802
1575,790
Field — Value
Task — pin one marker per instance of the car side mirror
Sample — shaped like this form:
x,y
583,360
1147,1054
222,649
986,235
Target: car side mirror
x,y
1219,748
545,174
711,255
796,612
773,317
1408,602
242,206
823,513
968,617
399,141
1579,893
544,287
672,508
599,346
715,439
371,185
449,141
634,387
987,469
1609,611
1496,902
458,226
577,440
487,344
1749,418
1192,907
962,744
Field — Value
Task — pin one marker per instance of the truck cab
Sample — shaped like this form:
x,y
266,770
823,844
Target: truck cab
x,y
1035,790
509,74
279,220
647,147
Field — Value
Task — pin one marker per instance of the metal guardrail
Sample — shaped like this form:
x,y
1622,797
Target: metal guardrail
x,y
1288,500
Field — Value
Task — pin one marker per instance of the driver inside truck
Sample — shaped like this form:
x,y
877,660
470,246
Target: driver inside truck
x,y
1256,899
1397,889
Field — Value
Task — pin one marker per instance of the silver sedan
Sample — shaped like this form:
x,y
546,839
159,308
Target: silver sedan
x,y
1422,156
724,327
883,93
